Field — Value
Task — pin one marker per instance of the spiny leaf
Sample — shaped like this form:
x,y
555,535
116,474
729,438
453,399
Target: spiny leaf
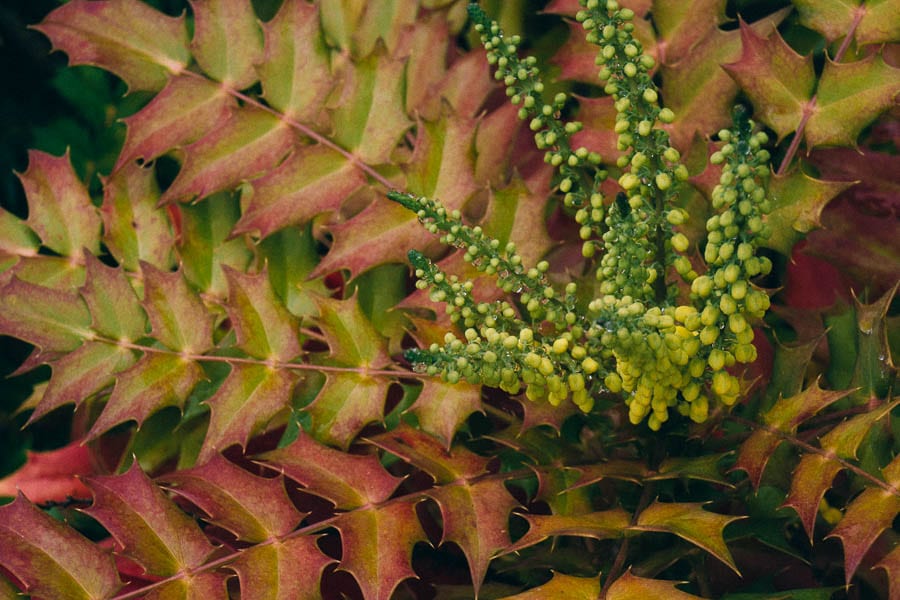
x,y
115,310
476,518
683,25
848,98
286,570
295,72
690,522
52,320
426,452
352,340
254,508
562,586
809,482
778,81
149,527
134,229
183,112
250,397
442,408
870,513
16,239
377,545
50,558
874,373
891,566
632,587
797,204
600,525
155,382
347,480
177,316
876,21
356,26
626,470
263,326
290,256
845,438
127,37
248,144
59,208
227,42
345,404
702,468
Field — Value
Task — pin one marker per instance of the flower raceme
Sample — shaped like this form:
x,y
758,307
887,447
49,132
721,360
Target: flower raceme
x,y
639,337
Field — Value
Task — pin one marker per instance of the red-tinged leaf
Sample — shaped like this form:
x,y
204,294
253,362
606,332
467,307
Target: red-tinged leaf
x,y
576,57
368,117
115,309
227,41
312,181
777,80
543,413
51,476
465,87
845,438
476,518
357,26
248,144
696,87
442,408
155,382
849,97
204,585
690,522
347,480
426,452
891,566
442,165
427,45
134,229
290,569
598,115
203,247
701,468
250,397
136,42
602,525
632,587
555,488
624,470
178,318
295,72
870,513
148,526
59,207
377,546
346,404
859,231
562,586
351,338
52,320
82,373
683,25
515,214
875,22
809,482
755,454
185,110
254,508
263,326
16,238
50,558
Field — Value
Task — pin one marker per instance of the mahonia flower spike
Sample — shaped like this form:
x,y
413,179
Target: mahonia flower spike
x,y
638,338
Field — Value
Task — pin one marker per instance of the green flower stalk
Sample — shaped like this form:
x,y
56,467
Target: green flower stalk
x,y
638,338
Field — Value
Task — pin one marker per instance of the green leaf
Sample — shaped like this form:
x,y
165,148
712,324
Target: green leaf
x,y
115,309
351,338
134,229
845,438
345,404
602,525
778,81
290,569
178,318
797,204
349,481
59,208
809,482
50,558
296,71
264,327
156,381
377,544
690,522
632,587
562,586
701,468
254,509
16,238
227,41
870,513
248,144
250,397
147,525
876,21
357,26
849,97
290,256
52,320
183,112
127,37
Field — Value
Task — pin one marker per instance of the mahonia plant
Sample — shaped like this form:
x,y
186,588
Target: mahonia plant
x,y
638,336
226,316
